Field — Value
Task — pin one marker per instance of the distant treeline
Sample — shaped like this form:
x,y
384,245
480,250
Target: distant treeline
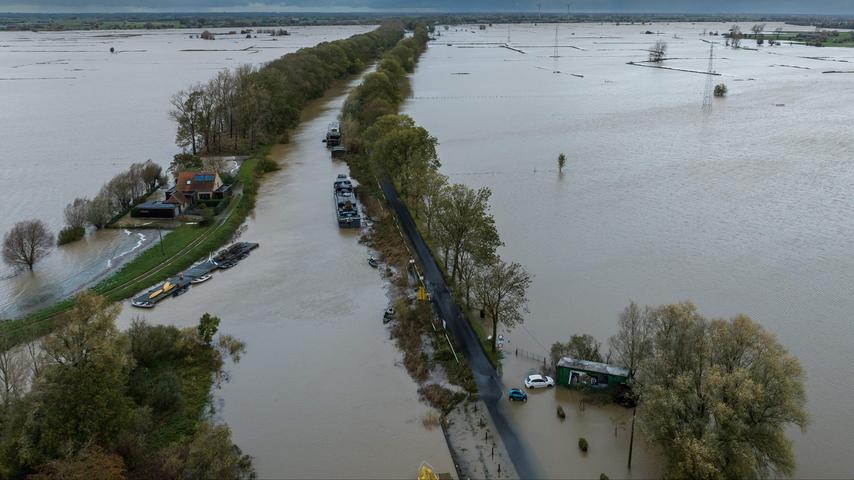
x,y
115,21
239,109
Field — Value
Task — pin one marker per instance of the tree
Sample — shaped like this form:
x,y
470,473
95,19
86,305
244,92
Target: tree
x,y
208,454
466,226
403,151
633,342
561,162
13,377
580,347
186,114
719,396
80,398
207,328
151,174
91,463
100,210
657,51
434,188
720,90
183,162
75,212
468,273
757,29
501,291
26,243
778,31
735,36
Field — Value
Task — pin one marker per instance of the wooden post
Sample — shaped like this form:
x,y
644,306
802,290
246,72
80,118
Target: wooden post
x,y
632,437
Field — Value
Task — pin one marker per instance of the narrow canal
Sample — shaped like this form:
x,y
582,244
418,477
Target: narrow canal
x,y
320,392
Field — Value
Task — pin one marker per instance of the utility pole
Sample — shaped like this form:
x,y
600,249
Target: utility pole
x,y
508,34
556,53
632,437
539,12
707,95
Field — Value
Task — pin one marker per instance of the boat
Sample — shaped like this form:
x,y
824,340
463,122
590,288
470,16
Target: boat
x,y
181,290
333,135
426,472
201,279
346,207
373,262
141,304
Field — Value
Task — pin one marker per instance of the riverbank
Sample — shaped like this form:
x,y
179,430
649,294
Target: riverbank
x,y
187,244
309,307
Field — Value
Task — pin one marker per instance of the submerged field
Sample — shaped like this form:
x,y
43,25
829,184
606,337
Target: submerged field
x,y
743,210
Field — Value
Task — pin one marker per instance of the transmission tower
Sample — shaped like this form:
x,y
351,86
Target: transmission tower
x,y
707,95
556,53
508,34
539,12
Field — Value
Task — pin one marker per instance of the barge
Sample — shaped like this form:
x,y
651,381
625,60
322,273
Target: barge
x,y
333,135
194,275
346,207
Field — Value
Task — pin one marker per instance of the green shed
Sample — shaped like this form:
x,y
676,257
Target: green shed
x,y
573,372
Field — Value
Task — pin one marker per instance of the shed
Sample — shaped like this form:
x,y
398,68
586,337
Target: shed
x,y
155,210
575,372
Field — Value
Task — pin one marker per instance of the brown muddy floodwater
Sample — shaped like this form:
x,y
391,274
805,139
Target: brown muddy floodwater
x,y
744,210
320,392
72,115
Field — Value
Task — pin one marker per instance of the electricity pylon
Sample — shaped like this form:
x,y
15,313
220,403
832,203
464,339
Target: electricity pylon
x,y
707,95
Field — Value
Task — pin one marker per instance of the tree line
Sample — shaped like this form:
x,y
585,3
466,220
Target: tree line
x,y
30,241
89,401
716,395
239,109
454,218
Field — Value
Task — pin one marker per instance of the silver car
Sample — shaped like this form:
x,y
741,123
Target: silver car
x,y
539,381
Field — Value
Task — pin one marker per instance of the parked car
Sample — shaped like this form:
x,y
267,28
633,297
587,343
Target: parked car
x,y
539,381
517,395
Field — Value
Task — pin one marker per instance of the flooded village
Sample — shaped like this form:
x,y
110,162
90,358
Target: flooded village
x,y
441,250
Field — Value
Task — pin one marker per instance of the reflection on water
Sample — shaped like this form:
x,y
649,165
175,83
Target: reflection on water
x,y
746,209
73,115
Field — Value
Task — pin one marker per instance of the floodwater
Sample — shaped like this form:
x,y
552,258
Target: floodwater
x,y
321,391
72,115
746,209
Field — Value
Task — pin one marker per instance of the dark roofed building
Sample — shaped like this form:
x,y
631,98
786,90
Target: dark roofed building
x,y
155,210
200,185
574,372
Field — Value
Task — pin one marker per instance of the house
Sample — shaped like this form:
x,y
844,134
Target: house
x,y
178,199
155,209
573,372
198,186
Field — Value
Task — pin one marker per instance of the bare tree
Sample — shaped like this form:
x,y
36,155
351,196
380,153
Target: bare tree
x,y
28,242
778,31
35,357
151,174
633,342
501,291
13,376
213,164
735,36
121,190
75,212
657,51
758,28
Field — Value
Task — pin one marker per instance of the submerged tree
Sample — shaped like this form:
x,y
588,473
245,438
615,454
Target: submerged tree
x,y
720,90
561,162
501,290
719,396
28,242
657,51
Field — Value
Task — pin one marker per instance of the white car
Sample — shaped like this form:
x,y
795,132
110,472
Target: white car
x,y
539,381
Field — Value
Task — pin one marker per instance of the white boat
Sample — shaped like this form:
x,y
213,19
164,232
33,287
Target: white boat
x,y
201,279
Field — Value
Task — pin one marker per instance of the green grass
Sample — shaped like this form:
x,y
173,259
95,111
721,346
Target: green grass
x,y
122,284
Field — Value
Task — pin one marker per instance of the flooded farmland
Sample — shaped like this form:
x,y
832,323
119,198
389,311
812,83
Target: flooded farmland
x,y
73,115
745,209
320,392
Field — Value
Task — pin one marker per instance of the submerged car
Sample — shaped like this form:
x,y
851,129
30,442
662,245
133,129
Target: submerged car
x,y
517,395
539,381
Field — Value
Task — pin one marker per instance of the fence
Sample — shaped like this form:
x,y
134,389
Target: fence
x,y
541,359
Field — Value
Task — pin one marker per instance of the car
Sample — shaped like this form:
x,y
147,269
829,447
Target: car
x,y
539,381
517,395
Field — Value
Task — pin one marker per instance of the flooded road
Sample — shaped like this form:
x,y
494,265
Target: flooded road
x,y
320,392
73,115
743,210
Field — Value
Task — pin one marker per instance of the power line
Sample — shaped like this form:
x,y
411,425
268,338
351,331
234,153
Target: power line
x,y
707,95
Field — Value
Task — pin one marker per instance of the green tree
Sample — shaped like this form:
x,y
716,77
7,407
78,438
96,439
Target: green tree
x,y
80,398
561,162
208,454
718,396
207,328
501,290
467,227
580,347
633,342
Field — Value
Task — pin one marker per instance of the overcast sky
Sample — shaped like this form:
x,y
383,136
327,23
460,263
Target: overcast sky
x,y
845,7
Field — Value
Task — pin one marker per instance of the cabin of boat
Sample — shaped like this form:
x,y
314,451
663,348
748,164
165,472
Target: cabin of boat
x,y
333,134
346,207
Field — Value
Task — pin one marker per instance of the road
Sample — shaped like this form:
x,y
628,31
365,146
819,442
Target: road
x,y
488,381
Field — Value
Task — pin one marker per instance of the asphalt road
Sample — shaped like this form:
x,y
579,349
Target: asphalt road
x,y
489,386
